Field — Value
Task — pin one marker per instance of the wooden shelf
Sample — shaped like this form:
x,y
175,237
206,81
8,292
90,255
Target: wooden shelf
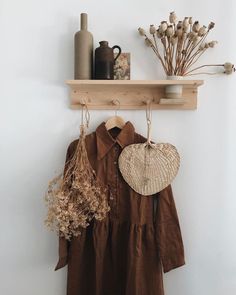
x,y
131,94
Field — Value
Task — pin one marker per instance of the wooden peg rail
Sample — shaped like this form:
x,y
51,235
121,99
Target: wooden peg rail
x,y
131,94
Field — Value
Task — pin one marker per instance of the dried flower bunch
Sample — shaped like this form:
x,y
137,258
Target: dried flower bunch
x,y
183,42
76,198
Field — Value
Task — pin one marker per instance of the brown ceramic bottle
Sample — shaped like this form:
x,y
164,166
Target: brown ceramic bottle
x,y
104,61
83,58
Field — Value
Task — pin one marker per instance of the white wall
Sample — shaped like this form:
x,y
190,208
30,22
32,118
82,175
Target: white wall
x,y
36,57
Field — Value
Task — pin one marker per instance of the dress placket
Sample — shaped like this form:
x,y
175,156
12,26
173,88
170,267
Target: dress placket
x,y
114,181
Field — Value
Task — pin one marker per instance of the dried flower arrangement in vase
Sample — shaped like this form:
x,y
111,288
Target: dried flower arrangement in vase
x,y
183,43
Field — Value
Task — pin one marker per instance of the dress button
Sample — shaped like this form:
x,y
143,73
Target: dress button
x,y
115,162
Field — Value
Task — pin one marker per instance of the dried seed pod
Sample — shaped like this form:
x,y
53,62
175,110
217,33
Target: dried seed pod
x,y
142,32
202,46
191,35
229,68
190,20
212,44
159,35
170,31
179,25
163,26
148,42
152,30
173,17
186,21
196,26
186,27
211,26
196,39
202,31
206,45
179,32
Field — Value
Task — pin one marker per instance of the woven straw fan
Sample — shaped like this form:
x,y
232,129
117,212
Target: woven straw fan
x,y
147,167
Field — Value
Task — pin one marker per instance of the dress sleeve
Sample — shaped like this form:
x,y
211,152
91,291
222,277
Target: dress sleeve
x,y
63,243
62,253
168,232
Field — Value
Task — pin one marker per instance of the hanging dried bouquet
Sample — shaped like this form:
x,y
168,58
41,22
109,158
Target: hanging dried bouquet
x,y
77,197
179,45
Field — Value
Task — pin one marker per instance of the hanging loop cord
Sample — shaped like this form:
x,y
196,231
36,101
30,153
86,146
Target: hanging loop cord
x,y
147,156
149,122
85,118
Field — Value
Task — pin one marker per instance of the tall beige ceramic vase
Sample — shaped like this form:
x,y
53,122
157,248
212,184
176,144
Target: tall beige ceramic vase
x,y
83,59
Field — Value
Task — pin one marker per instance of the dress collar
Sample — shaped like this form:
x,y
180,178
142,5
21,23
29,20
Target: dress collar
x,y
105,141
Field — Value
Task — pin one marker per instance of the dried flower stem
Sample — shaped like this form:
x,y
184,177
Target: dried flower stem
x,y
155,40
203,66
203,73
159,56
193,60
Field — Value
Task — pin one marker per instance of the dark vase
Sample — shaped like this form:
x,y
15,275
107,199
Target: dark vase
x,y
104,61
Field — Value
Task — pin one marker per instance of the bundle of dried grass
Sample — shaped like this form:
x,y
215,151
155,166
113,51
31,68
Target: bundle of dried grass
x,y
76,198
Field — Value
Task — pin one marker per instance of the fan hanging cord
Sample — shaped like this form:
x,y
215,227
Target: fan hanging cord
x,y
149,121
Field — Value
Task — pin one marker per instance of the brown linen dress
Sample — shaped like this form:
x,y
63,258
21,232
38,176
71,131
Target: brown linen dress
x,y
126,253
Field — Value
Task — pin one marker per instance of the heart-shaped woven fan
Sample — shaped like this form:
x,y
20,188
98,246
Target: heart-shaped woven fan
x,y
148,169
